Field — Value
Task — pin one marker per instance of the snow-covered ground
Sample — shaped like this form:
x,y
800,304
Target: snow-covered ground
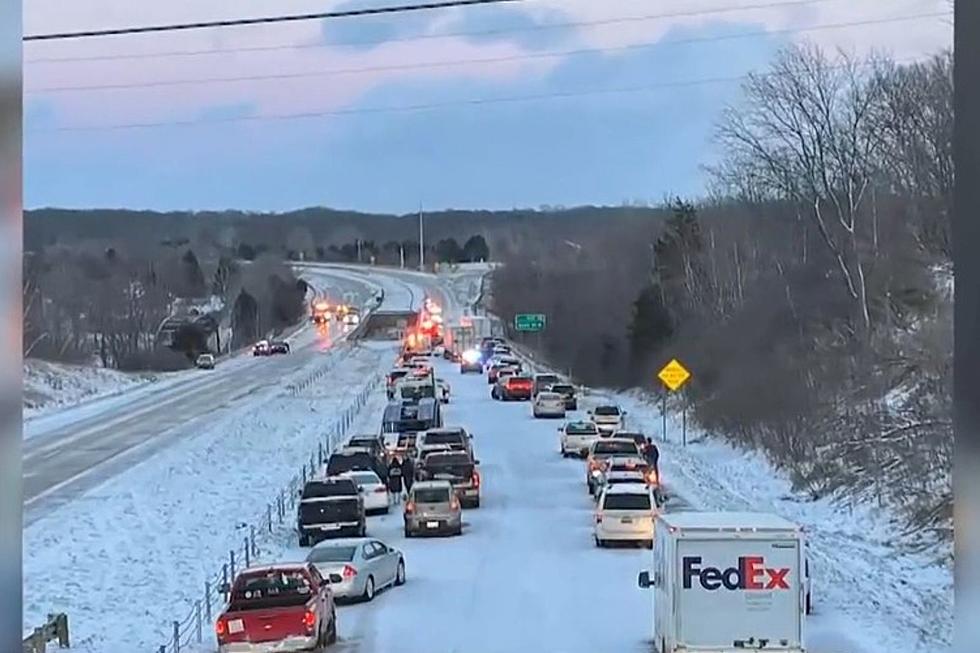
x,y
49,386
139,547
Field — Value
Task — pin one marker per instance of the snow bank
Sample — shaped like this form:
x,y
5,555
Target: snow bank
x,y
49,386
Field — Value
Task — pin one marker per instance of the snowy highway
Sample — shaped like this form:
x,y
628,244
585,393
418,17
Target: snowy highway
x,y
74,449
525,573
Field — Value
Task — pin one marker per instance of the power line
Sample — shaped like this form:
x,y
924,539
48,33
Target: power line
x,y
264,20
410,108
428,37
487,60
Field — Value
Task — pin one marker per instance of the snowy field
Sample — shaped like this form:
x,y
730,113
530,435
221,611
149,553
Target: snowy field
x,y
50,386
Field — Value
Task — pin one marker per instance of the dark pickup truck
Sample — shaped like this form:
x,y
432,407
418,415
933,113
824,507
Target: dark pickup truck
x,y
328,508
282,607
459,469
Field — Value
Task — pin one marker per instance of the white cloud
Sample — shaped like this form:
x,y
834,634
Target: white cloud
x,y
339,91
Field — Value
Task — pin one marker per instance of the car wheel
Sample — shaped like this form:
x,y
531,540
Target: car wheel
x,y
385,511
368,594
600,543
408,532
476,504
304,540
809,608
400,573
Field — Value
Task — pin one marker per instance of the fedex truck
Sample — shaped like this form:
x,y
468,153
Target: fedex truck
x,y
724,582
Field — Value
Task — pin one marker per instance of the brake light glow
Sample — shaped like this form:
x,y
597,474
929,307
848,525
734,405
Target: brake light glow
x,y
476,478
221,628
348,572
410,507
454,503
651,477
309,620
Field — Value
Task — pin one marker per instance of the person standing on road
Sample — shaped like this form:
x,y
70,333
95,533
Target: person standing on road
x,y
652,455
408,473
395,479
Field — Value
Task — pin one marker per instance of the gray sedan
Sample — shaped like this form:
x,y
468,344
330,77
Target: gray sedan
x,y
357,567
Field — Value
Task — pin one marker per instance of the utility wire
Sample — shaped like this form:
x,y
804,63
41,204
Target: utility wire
x,y
428,37
679,84
238,22
460,62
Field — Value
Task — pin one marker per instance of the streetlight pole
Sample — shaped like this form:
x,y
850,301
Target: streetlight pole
x,y
421,241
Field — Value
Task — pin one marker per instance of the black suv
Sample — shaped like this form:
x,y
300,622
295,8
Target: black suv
x,y
567,391
328,508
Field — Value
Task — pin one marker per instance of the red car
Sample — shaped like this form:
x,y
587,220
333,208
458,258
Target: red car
x,y
280,607
516,388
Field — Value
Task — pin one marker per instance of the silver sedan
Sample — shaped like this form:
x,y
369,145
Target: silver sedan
x,y
358,567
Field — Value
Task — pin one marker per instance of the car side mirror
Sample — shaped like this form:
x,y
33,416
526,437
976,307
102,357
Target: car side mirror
x,y
588,412
476,462
335,578
644,580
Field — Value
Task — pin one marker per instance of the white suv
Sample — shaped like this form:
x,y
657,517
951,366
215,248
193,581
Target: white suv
x,y
609,418
625,512
577,438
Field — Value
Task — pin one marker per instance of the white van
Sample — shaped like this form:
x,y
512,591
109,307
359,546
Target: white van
x,y
726,581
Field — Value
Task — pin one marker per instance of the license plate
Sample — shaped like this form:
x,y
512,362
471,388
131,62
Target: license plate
x,y
236,626
432,524
626,520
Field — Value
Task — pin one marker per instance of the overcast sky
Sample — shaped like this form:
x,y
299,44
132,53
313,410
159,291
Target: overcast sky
x,y
558,102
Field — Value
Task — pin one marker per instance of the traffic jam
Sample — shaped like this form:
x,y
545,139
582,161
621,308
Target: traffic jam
x,y
423,466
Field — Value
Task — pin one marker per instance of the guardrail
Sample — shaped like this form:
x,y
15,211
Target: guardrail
x,y
190,631
56,628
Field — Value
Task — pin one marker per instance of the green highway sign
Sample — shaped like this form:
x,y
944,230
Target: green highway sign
x,y
529,321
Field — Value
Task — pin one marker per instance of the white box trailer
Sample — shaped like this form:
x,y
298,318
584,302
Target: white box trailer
x,y
724,582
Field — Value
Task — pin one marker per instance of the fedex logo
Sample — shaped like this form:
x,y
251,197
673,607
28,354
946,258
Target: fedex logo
x,y
750,574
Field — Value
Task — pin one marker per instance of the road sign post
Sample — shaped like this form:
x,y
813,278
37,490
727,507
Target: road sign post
x,y
674,375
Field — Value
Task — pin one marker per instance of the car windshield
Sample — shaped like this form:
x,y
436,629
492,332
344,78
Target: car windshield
x,y
272,590
607,447
431,495
365,478
606,411
331,554
317,489
444,438
549,396
626,501
562,389
581,428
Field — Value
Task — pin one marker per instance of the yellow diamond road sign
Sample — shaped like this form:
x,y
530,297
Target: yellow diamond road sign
x,y
674,375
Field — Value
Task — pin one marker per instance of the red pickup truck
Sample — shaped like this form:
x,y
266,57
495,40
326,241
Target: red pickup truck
x,y
280,608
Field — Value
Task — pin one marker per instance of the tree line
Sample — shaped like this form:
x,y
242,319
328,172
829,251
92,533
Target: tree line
x,y
105,303
809,292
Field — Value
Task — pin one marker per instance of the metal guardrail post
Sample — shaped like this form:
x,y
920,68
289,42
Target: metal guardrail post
x,y
176,637
251,535
163,648
231,565
224,579
268,516
197,622
247,554
207,601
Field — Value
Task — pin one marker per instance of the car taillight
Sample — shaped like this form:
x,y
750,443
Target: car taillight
x,y
476,479
410,507
454,503
221,628
309,620
380,489
349,572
